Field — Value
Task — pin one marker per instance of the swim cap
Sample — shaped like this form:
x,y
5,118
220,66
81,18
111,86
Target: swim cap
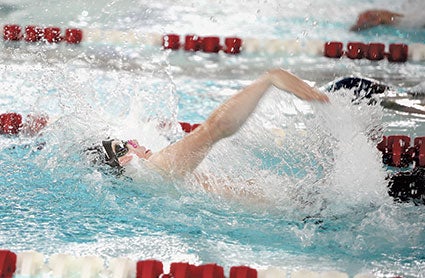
x,y
114,149
107,153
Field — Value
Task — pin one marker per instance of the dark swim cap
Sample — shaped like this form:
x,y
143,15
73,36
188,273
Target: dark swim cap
x,y
107,153
114,149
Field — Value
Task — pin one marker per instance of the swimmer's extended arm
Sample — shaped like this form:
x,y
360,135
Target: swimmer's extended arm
x,y
185,155
233,113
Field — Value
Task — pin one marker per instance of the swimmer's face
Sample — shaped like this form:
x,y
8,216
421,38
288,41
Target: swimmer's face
x,y
134,149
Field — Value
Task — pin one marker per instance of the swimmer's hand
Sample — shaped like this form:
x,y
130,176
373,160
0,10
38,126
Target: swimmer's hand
x,y
286,81
134,150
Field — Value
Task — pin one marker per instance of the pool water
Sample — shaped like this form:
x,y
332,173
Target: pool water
x,y
317,193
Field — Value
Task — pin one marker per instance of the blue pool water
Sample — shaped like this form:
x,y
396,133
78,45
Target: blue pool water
x,y
323,202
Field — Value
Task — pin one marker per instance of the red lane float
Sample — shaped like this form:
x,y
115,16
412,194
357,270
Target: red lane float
x,y
186,270
333,49
180,270
149,269
376,51
171,41
7,263
398,145
10,123
243,272
397,151
52,34
210,271
73,35
12,32
356,50
33,33
232,45
192,43
211,44
398,52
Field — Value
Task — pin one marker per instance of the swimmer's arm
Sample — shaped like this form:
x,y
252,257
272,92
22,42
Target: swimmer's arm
x,y
371,18
389,17
232,114
185,155
287,81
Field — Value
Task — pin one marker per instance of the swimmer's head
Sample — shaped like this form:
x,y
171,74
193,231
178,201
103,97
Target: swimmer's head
x,y
107,153
117,153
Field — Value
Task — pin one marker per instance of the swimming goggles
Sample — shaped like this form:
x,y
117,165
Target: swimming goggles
x,y
114,149
120,148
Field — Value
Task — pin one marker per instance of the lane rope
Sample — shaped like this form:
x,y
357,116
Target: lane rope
x,y
374,51
35,264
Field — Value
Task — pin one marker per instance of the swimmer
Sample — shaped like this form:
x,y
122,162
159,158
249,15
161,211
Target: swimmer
x,y
410,15
182,157
372,18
